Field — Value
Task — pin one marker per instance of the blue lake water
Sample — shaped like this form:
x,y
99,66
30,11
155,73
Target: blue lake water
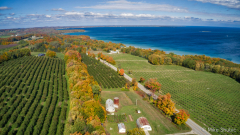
x,y
212,41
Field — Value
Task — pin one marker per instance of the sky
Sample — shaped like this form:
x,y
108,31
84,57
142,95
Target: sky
x,y
40,13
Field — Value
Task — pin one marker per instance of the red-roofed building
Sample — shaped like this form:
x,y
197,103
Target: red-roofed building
x,y
143,123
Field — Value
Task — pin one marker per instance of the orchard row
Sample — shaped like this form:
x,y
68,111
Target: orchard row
x,y
104,75
34,96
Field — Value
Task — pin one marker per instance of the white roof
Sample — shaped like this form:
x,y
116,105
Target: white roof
x,y
121,126
109,106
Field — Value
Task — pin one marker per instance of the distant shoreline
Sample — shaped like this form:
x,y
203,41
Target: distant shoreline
x,y
178,49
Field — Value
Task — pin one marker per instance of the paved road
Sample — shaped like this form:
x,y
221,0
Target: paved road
x,y
196,129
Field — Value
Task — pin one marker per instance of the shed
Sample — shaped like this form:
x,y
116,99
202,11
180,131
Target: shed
x,y
41,54
143,123
109,106
121,128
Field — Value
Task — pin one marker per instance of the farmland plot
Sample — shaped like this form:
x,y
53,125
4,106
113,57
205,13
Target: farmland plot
x,y
104,75
211,99
34,96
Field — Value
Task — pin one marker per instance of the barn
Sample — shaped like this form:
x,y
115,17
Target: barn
x,y
121,128
143,123
109,106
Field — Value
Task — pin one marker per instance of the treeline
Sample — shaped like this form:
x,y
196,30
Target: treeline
x,y
62,43
109,59
13,54
57,43
91,44
196,62
21,44
10,40
86,113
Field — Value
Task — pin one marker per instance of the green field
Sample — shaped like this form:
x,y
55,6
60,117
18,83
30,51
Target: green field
x,y
211,99
5,36
34,96
127,104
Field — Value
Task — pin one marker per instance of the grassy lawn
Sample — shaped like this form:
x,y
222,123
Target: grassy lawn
x,y
127,101
211,99
58,54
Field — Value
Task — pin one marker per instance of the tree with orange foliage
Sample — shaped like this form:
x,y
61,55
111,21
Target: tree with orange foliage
x,y
121,72
51,53
142,79
181,117
72,55
153,85
165,104
110,60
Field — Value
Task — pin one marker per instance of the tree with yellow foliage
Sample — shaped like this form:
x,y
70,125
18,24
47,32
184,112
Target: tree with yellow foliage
x,y
51,53
165,104
86,113
181,117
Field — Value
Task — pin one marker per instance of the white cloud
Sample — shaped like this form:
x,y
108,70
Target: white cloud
x,y
95,17
73,13
12,14
127,5
228,3
76,16
4,8
127,14
58,9
145,15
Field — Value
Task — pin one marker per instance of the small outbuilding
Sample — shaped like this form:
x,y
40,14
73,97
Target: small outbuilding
x,y
143,123
41,54
109,106
121,128
114,51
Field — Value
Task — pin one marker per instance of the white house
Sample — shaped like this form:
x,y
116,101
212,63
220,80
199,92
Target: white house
x,y
109,106
143,123
121,128
114,51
